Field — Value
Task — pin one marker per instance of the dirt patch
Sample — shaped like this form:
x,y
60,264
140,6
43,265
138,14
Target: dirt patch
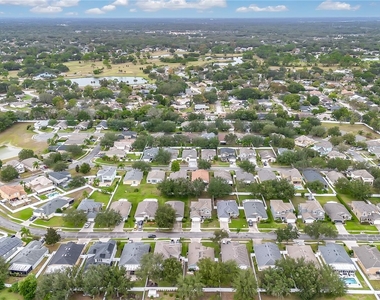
x,y
79,194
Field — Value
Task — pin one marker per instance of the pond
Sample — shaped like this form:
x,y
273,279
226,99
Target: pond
x,y
95,81
7,152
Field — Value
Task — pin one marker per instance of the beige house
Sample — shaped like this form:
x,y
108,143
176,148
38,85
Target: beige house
x,y
168,249
201,209
31,164
366,212
12,192
236,252
123,206
283,211
302,251
311,211
197,252
369,260
363,175
304,141
293,176
333,176
41,184
146,210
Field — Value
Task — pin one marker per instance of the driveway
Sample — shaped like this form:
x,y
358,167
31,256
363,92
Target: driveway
x,y
341,229
177,227
119,228
253,228
195,226
224,226
89,229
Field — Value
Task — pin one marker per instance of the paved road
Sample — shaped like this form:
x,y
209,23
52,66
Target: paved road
x,y
88,158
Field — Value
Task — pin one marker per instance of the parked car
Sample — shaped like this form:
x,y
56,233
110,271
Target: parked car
x,y
152,236
87,224
32,218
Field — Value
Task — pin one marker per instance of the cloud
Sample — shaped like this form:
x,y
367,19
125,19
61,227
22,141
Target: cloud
x,y
108,7
255,8
46,9
71,13
66,3
331,5
120,3
94,11
24,2
155,5
133,10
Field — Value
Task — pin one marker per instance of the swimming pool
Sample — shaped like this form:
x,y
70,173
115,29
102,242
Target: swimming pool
x,y
51,195
350,281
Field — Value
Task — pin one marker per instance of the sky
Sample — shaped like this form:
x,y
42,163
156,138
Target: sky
x,y
188,8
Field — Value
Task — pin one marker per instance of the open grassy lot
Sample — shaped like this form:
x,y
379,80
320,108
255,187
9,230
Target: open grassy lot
x,y
355,128
324,199
100,197
53,222
18,136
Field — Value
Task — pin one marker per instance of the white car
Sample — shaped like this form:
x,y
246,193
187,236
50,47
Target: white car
x,y
87,224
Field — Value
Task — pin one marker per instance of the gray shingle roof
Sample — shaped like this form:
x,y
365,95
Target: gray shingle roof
x,y
178,206
266,254
100,250
368,256
254,208
265,175
132,253
59,175
28,256
89,205
226,208
8,244
134,174
335,254
336,211
236,252
52,206
67,254
311,175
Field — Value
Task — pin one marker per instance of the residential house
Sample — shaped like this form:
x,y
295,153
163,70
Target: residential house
x,y
302,252
201,209
265,174
128,134
41,184
155,176
67,256
311,211
28,259
266,255
201,107
197,252
114,152
48,210
60,178
146,210
368,258
122,206
267,156
41,124
304,141
102,125
375,150
248,154
133,177
226,210
236,252
323,147
181,174
333,176
90,207
245,177
131,256
61,125
149,154
124,145
254,210
84,125
226,175
20,168
106,176
335,154
337,212
179,208
293,176
101,253
8,246
168,249
189,155
312,175
336,256
13,192
283,211
366,212
227,155
363,175
31,164
208,154
173,152
201,174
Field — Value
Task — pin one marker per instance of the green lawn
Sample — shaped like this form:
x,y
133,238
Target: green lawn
x,y
240,222
4,294
24,214
324,199
355,128
212,245
211,223
354,225
185,249
100,197
296,200
53,222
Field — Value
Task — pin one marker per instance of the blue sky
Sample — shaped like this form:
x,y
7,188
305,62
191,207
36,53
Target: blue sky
x,y
188,8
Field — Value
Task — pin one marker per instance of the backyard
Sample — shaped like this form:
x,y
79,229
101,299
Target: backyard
x,y
355,128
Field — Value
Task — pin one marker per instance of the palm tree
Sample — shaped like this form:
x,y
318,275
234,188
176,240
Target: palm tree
x,y
245,285
98,166
190,287
36,164
115,158
120,166
25,231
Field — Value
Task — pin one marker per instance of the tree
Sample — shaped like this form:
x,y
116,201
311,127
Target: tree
x,y
315,186
59,166
52,236
163,157
8,173
165,216
330,282
151,266
142,166
77,168
273,189
204,164
75,217
175,167
334,131
85,168
76,182
219,235
219,187
190,287
247,166
75,150
287,233
245,285
25,232
25,153
27,287
3,272
108,218
338,163
318,229
171,269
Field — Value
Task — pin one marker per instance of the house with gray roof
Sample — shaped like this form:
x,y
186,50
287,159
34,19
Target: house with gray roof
x,y
90,207
67,256
48,210
245,177
179,208
101,253
366,212
106,175
155,176
248,154
60,178
31,164
168,249
8,246
368,259
265,174
131,256
227,155
337,212
266,255
312,175
133,177
28,259
362,175
254,210
181,174
123,206
335,154
224,174
323,147
236,252
102,125
311,211
150,154
173,152
336,256
333,176
146,210
197,252
208,154
189,154
226,210
267,156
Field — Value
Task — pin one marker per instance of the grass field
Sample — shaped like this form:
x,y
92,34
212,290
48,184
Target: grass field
x,y
53,222
4,294
100,197
355,128
18,136
24,214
